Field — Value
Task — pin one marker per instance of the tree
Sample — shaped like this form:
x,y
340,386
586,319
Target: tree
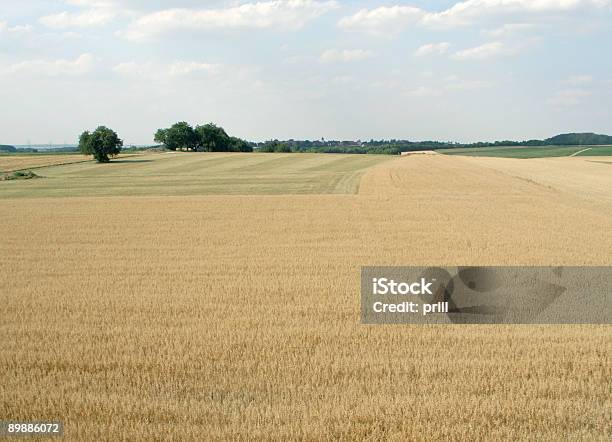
x,y
275,146
208,138
179,136
212,138
102,143
239,145
284,148
160,136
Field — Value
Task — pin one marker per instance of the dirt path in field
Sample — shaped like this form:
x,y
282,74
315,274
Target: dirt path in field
x,y
420,152
580,151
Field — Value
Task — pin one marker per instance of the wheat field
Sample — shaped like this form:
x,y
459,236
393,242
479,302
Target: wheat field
x,y
10,163
233,314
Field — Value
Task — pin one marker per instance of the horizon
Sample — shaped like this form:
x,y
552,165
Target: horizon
x,y
441,70
49,146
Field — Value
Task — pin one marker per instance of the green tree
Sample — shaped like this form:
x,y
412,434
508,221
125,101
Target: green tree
x,y
239,145
275,146
160,136
212,138
103,143
283,147
179,136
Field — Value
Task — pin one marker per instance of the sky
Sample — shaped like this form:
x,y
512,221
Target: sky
x,y
462,71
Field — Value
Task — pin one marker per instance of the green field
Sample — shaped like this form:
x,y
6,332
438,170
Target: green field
x,y
200,174
602,151
529,152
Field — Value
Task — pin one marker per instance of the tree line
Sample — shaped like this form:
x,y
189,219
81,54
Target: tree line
x,y
395,147
204,138
104,143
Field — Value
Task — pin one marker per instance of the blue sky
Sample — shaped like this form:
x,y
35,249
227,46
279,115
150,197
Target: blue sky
x,y
443,70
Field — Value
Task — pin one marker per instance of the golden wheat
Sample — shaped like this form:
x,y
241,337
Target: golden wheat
x,y
237,317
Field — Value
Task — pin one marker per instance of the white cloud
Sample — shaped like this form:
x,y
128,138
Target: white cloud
x,y
85,19
157,70
386,19
432,48
423,91
390,19
578,80
343,80
509,30
481,52
93,3
278,13
79,66
345,55
469,11
449,85
190,67
297,59
569,97
94,13
131,68
456,84
4,27
494,49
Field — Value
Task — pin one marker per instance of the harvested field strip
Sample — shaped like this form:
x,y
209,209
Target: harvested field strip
x,y
11,163
202,174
